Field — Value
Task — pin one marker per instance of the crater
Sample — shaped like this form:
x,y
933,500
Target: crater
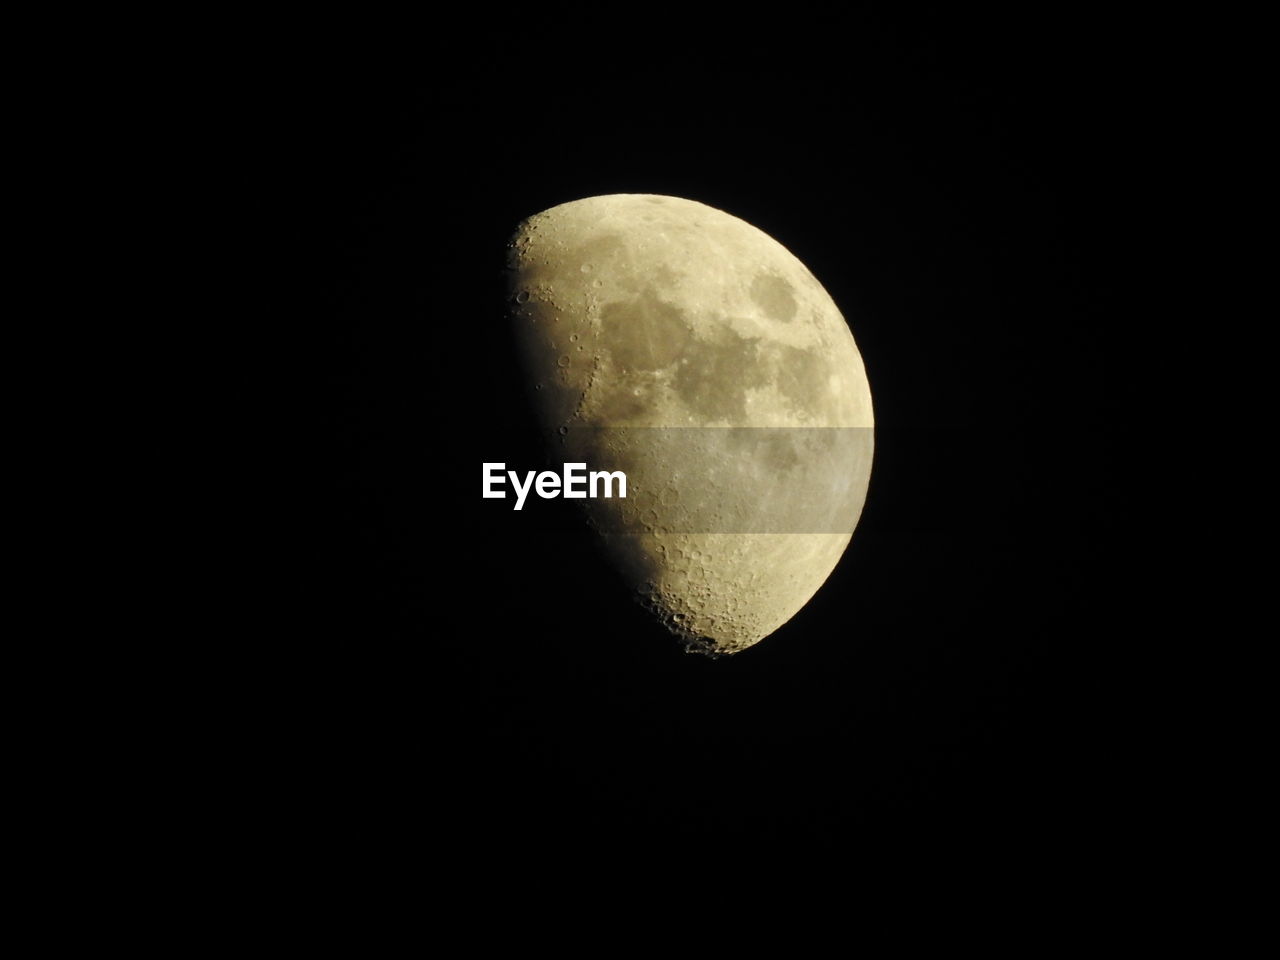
x,y
598,254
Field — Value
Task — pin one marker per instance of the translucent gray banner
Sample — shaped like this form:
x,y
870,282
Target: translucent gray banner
x,y
723,479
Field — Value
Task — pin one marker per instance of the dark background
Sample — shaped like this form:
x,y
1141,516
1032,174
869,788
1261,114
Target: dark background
x,y
473,681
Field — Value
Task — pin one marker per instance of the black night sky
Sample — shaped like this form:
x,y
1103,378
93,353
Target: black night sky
x,y
475,680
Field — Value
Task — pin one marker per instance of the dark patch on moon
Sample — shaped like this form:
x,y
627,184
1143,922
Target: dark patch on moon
x,y
774,296
714,378
775,448
802,378
664,277
645,332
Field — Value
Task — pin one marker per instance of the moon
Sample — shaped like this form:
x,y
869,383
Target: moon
x,y
689,349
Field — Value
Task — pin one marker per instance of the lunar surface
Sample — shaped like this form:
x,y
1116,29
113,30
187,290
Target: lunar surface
x,y
692,351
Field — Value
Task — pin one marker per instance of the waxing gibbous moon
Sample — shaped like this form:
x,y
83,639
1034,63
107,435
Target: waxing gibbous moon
x,y
689,349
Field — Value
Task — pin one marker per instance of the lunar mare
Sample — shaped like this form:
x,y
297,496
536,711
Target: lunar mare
x,y
689,349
